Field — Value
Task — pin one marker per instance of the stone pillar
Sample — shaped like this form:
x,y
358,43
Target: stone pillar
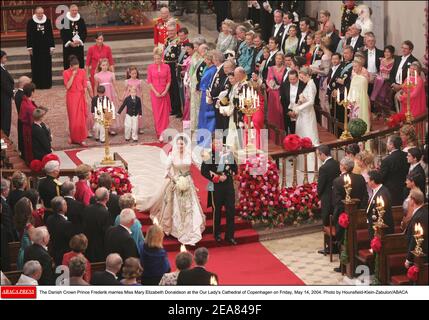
x,y
239,10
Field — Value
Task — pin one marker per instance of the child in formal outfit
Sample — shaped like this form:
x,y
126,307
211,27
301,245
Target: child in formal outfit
x,y
133,80
98,105
134,112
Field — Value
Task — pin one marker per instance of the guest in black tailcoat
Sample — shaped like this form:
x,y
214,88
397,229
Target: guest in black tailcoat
x,y
359,191
171,57
41,46
37,251
333,36
108,277
394,169
73,35
328,171
278,27
273,45
349,15
297,8
334,74
217,85
289,96
105,180
7,214
60,229
304,27
379,192
19,95
96,220
414,156
41,135
118,238
398,74
287,23
50,186
420,215
266,18
355,40
219,167
198,276
74,208
7,86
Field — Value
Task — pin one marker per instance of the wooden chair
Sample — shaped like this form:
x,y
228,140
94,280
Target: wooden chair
x,y
13,254
329,232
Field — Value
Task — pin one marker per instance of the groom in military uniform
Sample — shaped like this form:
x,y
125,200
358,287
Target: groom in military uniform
x,y
219,168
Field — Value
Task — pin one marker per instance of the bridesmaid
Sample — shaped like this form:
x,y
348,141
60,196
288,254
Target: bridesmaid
x,y
133,80
159,79
274,79
75,82
95,54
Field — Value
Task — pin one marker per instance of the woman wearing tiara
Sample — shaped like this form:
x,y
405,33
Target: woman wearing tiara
x,y
177,208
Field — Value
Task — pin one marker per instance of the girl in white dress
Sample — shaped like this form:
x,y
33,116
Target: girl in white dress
x,y
177,207
306,123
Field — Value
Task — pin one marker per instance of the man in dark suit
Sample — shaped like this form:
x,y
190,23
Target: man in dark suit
x,y
7,86
278,28
289,96
328,171
50,186
394,169
6,213
420,215
333,88
296,8
372,54
355,40
273,45
287,23
118,238
105,181
359,191
333,36
41,136
60,229
399,71
266,17
379,191
96,220
38,251
198,276
109,276
416,171
217,85
219,168
74,208
304,27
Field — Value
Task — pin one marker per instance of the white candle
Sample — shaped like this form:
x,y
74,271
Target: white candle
x,y
346,98
408,76
338,95
415,76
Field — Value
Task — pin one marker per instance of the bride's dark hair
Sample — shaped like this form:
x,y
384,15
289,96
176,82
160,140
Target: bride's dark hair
x,y
182,138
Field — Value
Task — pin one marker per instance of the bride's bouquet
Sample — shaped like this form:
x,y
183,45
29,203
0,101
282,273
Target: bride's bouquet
x,y
182,183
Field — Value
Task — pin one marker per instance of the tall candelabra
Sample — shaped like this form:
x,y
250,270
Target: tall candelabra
x,y
408,85
346,103
348,188
249,105
418,236
379,223
104,116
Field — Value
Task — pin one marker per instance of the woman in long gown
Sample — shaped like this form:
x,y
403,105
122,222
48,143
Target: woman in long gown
x,y
306,122
26,117
75,82
381,92
358,93
197,66
418,93
274,79
206,117
159,79
95,54
177,208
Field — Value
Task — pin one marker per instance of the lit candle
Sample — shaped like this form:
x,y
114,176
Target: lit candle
x,y
418,230
338,95
183,248
345,95
380,202
415,77
347,180
408,76
213,281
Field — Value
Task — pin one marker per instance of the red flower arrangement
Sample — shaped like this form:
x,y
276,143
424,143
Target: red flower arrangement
x,y
344,220
395,120
120,178
413,273
36,165
293,142
376,244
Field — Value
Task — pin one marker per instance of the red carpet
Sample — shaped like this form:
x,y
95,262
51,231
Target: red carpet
x,y
249,263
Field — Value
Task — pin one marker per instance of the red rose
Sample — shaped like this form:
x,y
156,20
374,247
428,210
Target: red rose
x,y
36,165
306,143
413,273
292,142
376,244
344,220
216,179
49,157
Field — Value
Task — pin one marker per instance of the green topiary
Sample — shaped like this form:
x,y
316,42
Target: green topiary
x,y
357,128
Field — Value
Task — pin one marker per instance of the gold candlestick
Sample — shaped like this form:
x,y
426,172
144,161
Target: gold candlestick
x,y
408,115
418,235
249,105
348,188
106,123
379,224
346,104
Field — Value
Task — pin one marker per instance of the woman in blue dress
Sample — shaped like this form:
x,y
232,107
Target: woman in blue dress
x,y
206,117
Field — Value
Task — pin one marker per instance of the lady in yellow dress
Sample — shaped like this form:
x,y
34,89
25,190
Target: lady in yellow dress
x,y
358,93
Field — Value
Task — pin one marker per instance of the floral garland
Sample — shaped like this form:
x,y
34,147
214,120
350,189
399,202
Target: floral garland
x,y
344,222
395,120
120,178
262,200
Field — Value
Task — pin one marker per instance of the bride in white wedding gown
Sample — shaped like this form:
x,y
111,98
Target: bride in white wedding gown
x,y
177,207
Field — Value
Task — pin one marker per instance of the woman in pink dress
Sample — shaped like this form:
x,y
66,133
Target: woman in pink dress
x,y
107,79
75,82
417,95
133,80
381,92
95,54
159,79
84,192
274,79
